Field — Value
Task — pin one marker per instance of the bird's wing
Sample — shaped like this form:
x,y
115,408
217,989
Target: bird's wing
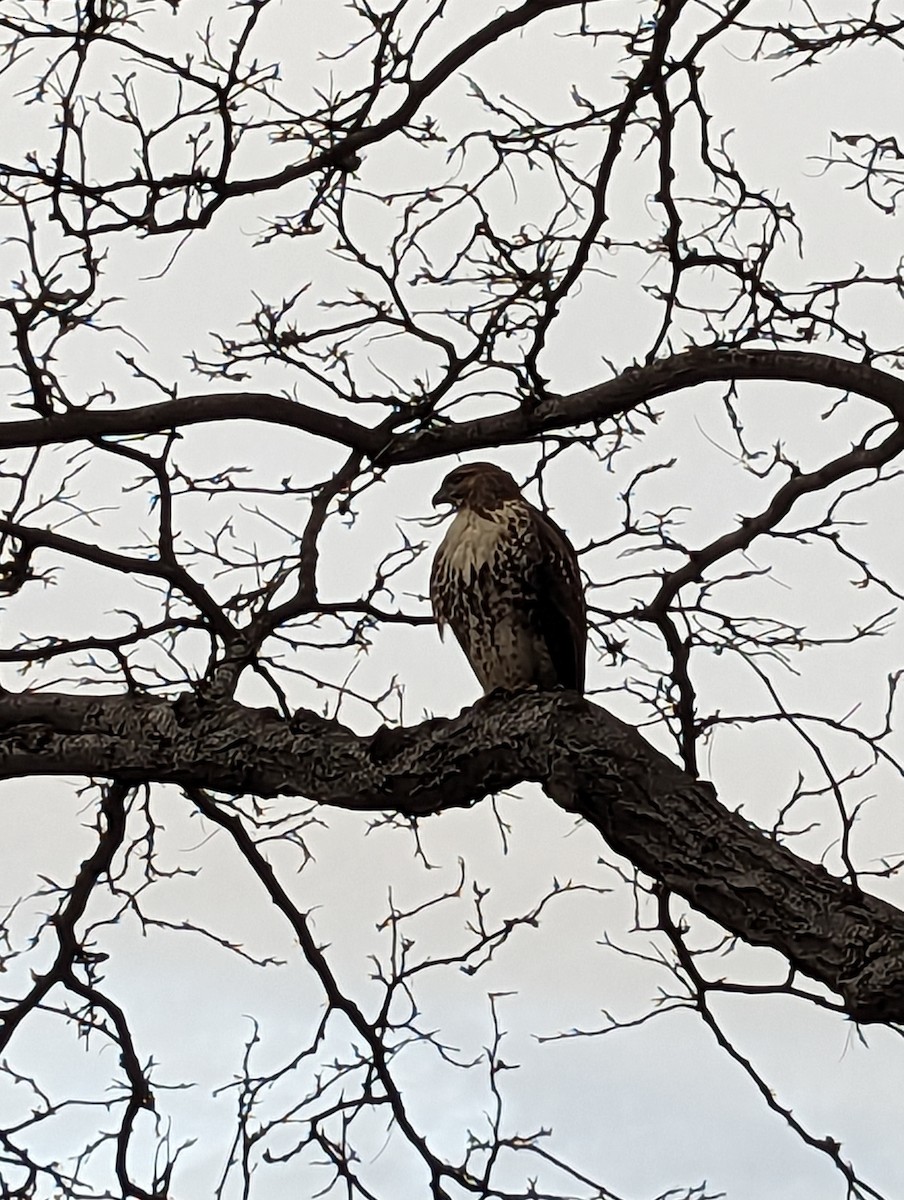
x,y
561,608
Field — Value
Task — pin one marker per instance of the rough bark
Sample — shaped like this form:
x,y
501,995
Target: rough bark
x,y
668,824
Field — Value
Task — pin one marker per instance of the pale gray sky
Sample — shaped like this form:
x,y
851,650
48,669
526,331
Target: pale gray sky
x,y
643,1109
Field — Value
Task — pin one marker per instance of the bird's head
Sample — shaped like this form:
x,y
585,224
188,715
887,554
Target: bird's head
x,y
477,485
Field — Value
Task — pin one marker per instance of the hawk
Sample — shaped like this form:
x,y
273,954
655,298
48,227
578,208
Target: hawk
x,y
506,580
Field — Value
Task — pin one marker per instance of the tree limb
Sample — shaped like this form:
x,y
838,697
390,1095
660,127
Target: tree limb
x,y
601,402
670,825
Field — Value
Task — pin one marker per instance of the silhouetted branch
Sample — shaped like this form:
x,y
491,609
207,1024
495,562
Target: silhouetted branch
x,y
667,823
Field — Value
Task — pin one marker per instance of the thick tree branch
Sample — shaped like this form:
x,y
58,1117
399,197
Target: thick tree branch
x,y
665,376
602,402
81,424
668,824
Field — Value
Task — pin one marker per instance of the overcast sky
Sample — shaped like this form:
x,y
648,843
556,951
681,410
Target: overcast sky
x,y
643,1108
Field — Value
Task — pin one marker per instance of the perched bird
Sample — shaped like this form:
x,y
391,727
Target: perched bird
x,y
506,580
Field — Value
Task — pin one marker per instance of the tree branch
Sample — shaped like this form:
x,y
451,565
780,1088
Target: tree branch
x,y
637,385
82,424
670,825
601,402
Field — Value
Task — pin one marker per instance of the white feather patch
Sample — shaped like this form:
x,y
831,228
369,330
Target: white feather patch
x,y
471,540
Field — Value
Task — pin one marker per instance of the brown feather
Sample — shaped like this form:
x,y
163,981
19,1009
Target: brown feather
x,y
506,580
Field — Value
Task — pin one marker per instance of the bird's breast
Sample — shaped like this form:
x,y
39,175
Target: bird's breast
x,y
473,540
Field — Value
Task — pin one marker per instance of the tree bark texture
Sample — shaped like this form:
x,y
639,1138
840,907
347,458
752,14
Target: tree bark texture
x,y
668,824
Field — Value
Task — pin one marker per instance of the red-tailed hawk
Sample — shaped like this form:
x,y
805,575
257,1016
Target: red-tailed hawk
x,y
506,580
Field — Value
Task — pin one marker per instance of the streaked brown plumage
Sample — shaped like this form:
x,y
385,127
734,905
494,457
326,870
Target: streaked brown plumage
x,y
506,580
